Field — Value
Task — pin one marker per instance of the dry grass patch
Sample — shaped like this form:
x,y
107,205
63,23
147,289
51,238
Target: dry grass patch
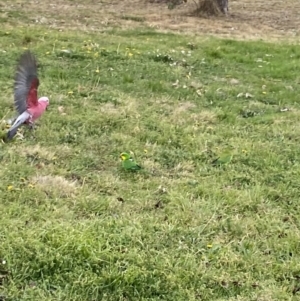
x,y
183,107
56,186
110,109
42,157
37,151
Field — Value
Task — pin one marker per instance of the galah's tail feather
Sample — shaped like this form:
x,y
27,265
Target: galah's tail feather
x,y
19,121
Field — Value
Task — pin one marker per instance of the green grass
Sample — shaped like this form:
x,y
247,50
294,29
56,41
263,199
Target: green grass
x,y
74,226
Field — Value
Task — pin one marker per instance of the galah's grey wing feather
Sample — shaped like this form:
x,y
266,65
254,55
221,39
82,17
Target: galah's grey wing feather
x,y
25,74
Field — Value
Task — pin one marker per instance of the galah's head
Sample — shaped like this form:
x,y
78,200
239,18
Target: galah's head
x,y
44,100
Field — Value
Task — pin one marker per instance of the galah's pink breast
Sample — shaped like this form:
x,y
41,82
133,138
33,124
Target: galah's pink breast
x,y
37,111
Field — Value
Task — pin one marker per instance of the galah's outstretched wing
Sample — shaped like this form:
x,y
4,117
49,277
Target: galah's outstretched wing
x,y
25,90
26,83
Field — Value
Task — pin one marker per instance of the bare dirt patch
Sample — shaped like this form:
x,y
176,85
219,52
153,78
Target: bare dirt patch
x,y
270,19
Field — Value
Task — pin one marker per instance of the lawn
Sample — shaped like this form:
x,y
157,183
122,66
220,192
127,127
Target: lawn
x,y
75,226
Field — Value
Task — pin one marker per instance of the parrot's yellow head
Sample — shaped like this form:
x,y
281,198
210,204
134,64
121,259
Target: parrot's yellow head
x,y
124,156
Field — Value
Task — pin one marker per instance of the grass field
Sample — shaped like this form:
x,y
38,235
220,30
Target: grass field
x,y
75,226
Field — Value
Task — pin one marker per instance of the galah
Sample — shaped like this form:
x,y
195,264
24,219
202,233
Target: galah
x,y
27,104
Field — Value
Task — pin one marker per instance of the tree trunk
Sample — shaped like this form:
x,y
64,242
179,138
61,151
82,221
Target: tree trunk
x,y
223,5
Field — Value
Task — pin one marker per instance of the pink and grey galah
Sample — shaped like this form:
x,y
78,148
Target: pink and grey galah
x,y
27,104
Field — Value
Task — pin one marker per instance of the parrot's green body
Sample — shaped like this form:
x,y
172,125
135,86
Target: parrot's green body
x,y
128,163
224,158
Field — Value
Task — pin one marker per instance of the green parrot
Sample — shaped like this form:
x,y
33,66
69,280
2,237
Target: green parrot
x,y
128,162
225,157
